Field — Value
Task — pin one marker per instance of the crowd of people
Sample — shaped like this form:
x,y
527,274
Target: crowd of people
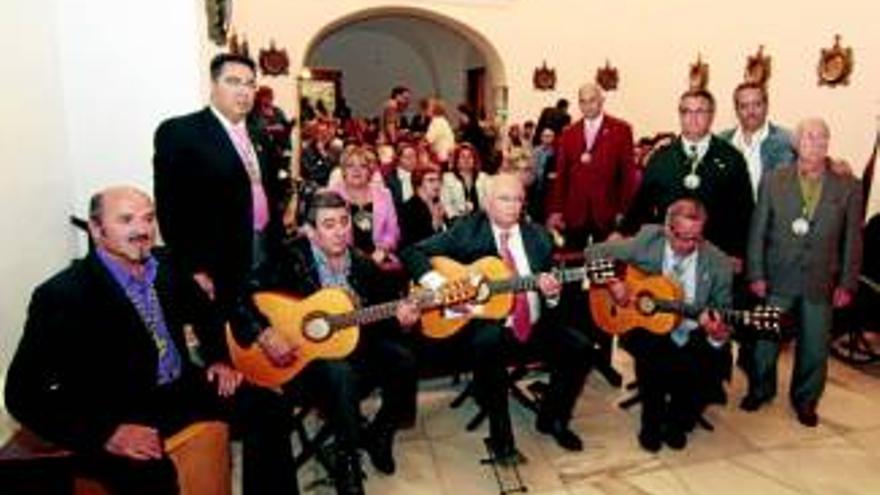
x,y
750,213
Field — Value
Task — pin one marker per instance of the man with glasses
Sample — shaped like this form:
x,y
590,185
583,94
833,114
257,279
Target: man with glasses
x,y
677,372
526,247
702,166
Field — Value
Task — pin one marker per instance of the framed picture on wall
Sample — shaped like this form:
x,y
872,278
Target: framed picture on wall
x,y
324,85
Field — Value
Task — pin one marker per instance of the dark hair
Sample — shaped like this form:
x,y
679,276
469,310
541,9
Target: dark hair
x,y
398,90
323,200
222,59
419,173
699,93
750,85
453,165
562,104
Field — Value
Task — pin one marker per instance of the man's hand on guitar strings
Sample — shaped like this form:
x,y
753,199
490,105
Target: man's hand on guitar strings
x,y
276,347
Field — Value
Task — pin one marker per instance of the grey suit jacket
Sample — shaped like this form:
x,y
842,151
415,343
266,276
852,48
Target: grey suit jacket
x,y
645,250
776,151
813,265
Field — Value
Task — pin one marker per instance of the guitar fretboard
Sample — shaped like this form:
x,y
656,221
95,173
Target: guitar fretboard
x,y
731,316
566,275
371,314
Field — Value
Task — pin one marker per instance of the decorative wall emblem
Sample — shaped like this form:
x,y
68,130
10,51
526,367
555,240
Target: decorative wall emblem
x,y
544,78
835,64
698,76
219,12
607,77
274,62
758,68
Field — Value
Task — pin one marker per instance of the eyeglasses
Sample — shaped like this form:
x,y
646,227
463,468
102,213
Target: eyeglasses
x,y
238,83
694,111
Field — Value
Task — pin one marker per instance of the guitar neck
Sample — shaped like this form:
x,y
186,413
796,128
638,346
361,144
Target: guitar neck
x,y
731,316
530,282
371,314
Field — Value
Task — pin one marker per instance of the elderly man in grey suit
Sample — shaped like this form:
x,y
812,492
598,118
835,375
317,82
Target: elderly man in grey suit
x,y
686,365
804,255
764,145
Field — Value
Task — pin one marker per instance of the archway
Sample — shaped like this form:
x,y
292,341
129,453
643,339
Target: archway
x,y
433,54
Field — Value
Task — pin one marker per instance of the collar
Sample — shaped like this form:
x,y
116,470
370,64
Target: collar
x,y
227,124
323,263
669,256
702,145
594,123
122,275
758,137
496,232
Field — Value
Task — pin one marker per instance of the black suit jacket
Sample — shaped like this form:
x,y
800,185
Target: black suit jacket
x,y
203,198
86,363
415,221
725,189
470,239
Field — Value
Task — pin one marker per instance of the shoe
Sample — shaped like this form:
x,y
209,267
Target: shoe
x,y
348,476
675,439
751,403
505,453
650,440
560,432
379,444
807,416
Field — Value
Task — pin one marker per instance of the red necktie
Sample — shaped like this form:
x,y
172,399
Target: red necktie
x,y
522,318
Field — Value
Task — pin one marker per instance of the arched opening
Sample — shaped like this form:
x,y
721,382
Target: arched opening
x,y
366,53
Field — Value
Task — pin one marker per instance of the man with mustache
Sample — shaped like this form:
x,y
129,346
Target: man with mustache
x,y
102,368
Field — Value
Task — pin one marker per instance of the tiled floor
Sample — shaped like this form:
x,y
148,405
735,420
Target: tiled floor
x,y
760,453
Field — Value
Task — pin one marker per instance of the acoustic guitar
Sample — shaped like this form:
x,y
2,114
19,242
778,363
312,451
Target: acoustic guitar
x,y
494,285
324,325
659,308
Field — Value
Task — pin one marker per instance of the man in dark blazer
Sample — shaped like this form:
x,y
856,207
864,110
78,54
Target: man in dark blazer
x,y
103,369
702,166
595,180
216,187
805,253
323,259
685,365
501,232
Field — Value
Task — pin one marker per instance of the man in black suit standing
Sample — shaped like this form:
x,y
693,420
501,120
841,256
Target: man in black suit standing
x,y
102,367
216,185
526,247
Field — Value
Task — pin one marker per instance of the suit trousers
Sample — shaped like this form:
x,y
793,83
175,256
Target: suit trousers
x,y
674,382
567,351
812,334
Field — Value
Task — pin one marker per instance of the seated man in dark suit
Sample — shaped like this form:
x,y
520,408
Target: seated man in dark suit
x,y
675,372
526,247
102,368
323,259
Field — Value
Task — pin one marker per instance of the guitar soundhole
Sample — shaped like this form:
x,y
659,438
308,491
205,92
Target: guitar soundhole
x,y
646,304
316,328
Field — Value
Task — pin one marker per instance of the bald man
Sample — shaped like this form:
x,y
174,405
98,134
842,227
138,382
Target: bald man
x,y
501,231
595,180
102,367
804,255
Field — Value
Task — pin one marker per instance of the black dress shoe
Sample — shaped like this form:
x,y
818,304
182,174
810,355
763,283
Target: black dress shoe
x,y
675,438
751,403
379,444
650,440
807,416
560,432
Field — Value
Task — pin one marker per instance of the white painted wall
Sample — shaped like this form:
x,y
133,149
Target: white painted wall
x,y
651,43
85,85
